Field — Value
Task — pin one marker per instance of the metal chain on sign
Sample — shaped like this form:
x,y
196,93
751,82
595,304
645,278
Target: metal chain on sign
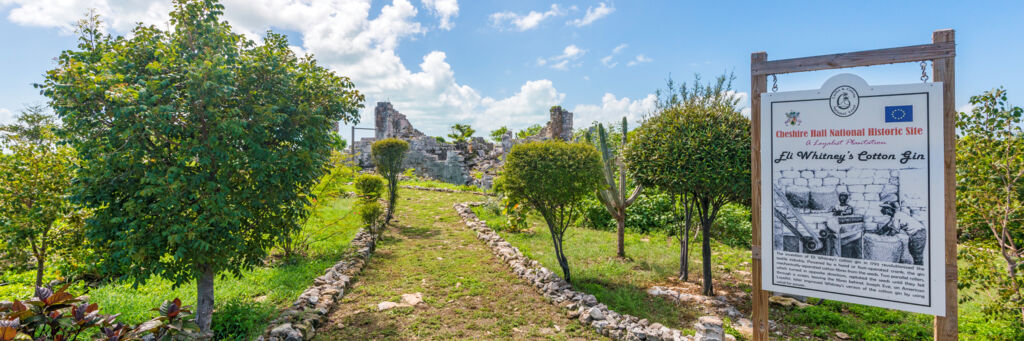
x,y
924,72
775,83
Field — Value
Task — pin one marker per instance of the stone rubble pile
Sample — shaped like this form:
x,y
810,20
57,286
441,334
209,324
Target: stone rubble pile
x,y
311,309
711,305
580,306
476,161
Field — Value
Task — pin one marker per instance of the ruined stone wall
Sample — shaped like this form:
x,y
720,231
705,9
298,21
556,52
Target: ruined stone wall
x,y
474,162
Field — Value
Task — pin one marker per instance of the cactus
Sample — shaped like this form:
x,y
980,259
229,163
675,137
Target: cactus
x,y
614,196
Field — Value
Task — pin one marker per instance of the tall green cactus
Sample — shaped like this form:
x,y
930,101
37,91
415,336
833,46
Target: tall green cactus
x,y
614,196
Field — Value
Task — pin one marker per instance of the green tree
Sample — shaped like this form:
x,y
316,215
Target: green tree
x,y
496,134
990,198
461,133
198,147
698,149
36,176
553,177
388,155
614,195
529,131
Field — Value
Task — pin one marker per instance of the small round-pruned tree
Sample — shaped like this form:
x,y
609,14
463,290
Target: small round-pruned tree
x,y
698,149
388,155
552,177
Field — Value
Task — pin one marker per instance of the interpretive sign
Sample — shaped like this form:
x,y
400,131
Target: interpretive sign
x,y
852,188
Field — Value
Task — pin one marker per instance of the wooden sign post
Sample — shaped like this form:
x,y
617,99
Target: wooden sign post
x,y
941,52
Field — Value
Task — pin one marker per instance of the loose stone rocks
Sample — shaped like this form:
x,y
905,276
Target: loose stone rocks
x,y
309,311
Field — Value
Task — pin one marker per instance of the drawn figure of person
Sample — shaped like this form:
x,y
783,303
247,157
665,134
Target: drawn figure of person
x,y
843,208
901,222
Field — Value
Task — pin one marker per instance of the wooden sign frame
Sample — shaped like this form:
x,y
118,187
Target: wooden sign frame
x,y
942,53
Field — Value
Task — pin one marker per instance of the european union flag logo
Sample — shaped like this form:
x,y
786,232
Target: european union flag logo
x,y
899,113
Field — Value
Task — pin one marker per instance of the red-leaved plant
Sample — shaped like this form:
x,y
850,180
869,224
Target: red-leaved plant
x,y
58,316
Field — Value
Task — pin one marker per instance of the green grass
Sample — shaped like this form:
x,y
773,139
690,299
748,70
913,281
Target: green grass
x,y
467,292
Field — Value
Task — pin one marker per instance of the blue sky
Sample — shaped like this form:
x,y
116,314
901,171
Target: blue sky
x,y
493,63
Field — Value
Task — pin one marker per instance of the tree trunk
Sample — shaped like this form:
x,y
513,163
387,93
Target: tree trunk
x,y
709,289
204,299
684,271
621,219
562,262
40,264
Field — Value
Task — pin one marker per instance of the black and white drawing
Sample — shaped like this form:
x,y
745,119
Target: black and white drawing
x,y
861,213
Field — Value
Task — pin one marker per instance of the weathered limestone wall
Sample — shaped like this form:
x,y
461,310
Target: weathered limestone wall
x,y
474,162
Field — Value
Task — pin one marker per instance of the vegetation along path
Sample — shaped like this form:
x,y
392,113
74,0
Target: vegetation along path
x,y
466,292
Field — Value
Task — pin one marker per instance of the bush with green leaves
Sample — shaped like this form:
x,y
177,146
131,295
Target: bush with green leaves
x,y
388,155
241,320
461,133
529,131
198,147
651,212
553,178
369,186
733,226
496,134
697,148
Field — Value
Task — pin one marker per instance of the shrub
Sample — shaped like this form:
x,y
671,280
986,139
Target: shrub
x,y
370,212
651,212
369,186
57,315
388,155
553,177
733,226
241,320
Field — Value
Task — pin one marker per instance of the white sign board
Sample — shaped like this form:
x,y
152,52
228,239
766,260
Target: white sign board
x,y
852,190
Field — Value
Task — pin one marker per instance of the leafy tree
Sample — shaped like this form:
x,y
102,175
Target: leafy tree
x,y
698,149
613,196
498,133
388,155
198,147
553,177
440,139
990,197
35,182
461,133
529,131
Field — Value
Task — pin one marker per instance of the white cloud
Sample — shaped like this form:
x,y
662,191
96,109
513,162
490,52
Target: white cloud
x,y
445,10
6,116
523,22
593,14
569,55
640,59
349,38
612,109
607,60
965,108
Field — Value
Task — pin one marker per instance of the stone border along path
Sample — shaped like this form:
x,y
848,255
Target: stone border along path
x,y
581,306
311,309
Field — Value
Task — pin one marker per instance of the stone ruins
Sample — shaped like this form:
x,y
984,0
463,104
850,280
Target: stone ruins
x,y
474,162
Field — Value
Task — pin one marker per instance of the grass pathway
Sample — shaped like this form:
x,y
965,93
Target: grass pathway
x,y
467,293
